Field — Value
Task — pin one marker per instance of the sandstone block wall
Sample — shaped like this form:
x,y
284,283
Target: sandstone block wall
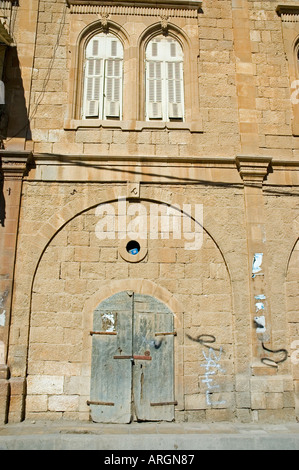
x,y
235,154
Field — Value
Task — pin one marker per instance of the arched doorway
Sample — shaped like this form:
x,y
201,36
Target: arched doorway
x,y
132,371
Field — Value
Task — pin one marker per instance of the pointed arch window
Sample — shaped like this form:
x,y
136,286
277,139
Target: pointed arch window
x,y
164,80
103,78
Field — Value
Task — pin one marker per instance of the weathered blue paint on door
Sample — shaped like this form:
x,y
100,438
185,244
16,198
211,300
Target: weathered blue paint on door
x,y
111,378
132,371
153,381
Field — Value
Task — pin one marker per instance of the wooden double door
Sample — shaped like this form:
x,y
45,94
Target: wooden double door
x,y
132,371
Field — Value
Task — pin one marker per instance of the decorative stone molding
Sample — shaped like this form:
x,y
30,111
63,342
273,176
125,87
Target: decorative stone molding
x,y
14,164
164,24
104,21
289,12
170,8
253,169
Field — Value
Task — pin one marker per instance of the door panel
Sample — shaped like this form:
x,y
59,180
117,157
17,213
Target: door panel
x,y
111,379
153,379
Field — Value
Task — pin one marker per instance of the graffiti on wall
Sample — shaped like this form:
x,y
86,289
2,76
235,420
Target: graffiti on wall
x,y
212,367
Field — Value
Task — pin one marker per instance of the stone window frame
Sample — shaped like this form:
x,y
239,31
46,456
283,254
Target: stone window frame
x,y
192,119
76,79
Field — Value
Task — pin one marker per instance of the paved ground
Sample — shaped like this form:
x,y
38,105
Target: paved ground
x,y
61,435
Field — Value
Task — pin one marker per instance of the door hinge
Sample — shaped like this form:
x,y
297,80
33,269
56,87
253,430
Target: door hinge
x,y
174,333
102,403
111,333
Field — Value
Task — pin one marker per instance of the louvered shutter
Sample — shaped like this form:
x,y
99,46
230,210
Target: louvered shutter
x,y
113,77
164,79
175,90
154,84
93,87
103,78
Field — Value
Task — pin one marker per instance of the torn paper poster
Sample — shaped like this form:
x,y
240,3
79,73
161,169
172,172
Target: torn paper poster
x,y
109,321
260,297
257,263
260,324
259,306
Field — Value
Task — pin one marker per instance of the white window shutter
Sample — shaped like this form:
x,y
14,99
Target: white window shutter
x,y
102,95
113,88
154,86
93,87
175,90
164,79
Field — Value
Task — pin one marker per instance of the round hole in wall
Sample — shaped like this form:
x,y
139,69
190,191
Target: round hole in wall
x,y
133,247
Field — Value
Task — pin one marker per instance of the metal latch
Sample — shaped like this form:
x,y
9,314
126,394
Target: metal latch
x,y
133,358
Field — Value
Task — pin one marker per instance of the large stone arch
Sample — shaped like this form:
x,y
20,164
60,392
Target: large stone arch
x,y
60,298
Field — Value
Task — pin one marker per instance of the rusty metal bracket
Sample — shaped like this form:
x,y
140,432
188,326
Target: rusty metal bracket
x,y
142,358
102,403
110,333
122,357
174,333
165,403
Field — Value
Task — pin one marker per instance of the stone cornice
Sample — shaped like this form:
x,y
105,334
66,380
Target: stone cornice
x,y
171,8
289,12
189,4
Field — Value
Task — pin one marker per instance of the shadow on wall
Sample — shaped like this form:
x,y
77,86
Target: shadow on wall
x,y
2,203
14,122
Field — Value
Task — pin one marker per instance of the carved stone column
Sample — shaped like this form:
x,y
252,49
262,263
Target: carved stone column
x,y
13,167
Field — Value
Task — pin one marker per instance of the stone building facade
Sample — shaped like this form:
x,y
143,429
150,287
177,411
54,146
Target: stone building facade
x,y
183,138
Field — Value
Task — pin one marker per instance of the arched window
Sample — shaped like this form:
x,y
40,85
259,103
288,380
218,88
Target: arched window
x,y
164,80
103,72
